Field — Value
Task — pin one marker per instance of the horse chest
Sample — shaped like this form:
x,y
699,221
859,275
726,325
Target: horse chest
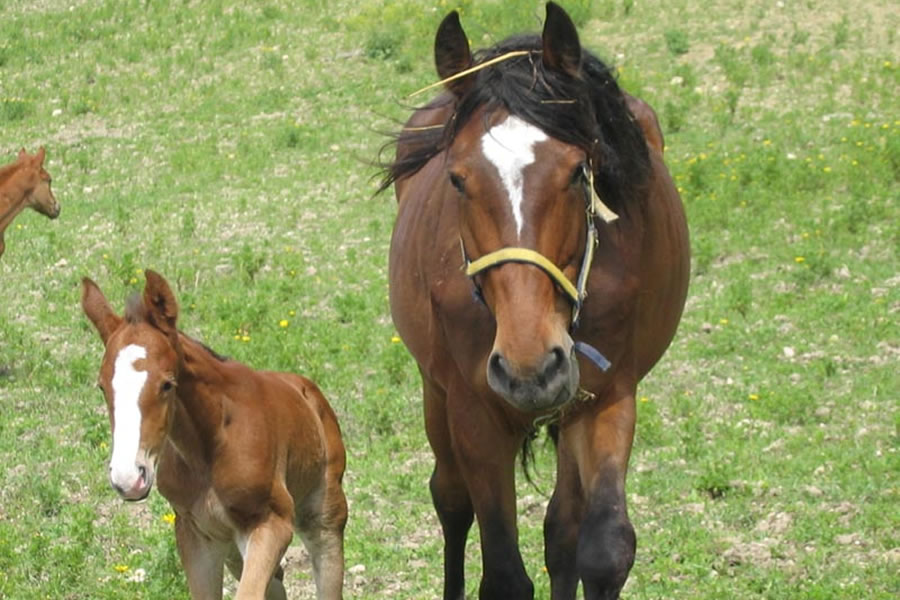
x,y
193,496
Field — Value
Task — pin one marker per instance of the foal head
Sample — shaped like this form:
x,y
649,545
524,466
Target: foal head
x,y
522,148
138,377
38,196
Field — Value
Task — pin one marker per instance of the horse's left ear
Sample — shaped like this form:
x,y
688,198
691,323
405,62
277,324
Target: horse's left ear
x,y
452,54
39,157
159,303
562,50
22,154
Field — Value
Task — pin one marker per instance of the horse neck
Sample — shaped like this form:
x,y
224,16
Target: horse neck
x,y
12,195
198,416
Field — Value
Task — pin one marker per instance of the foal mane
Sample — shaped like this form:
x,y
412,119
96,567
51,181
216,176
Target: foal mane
x,y
7,171
588,111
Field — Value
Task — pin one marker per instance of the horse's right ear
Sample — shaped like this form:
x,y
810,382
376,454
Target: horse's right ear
x,y
97,309
22,154
452,55
160,304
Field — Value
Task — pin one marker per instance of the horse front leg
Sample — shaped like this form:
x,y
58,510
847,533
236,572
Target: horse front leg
x,y
485,449
448,492
202,559
564,515
262,550
587,518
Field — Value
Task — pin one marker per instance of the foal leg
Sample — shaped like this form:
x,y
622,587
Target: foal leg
x,y
595,446
202,560
449,494
321,523
235,563
262,552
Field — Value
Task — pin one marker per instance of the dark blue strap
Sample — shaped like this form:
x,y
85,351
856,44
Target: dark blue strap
x,y
593,355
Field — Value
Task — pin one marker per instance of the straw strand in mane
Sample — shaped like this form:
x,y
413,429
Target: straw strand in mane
x,y
588,111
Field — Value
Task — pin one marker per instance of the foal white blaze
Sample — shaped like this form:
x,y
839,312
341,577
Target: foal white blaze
x,y
127,383
510,148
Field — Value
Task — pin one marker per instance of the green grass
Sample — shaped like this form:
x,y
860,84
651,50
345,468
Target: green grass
x,y
227,145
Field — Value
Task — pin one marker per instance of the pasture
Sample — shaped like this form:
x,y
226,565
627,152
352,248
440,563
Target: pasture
x,y
228,146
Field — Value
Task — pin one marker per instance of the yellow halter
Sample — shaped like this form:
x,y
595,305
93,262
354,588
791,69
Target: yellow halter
x,y
575,292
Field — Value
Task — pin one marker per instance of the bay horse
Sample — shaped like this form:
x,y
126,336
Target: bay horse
x,y
25,184
536,218
244,457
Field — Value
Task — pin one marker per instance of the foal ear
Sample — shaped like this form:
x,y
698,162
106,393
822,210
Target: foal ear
x,y
97,309
22,154
562,50
452,55
159,303
39,157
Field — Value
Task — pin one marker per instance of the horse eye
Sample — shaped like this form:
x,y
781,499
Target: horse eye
x,y
167,386
458,182
579,175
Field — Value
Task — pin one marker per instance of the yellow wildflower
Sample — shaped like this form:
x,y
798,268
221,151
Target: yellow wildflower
x,y
283,323
169,518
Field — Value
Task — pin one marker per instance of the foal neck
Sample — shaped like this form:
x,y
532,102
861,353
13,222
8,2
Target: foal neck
x,y
200,411
12,195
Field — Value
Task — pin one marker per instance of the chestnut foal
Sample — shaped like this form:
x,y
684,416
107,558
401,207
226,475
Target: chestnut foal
x,y
244,456
25,184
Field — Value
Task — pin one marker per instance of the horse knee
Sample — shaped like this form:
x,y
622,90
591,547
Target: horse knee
x,y
606,546
452,503
560,537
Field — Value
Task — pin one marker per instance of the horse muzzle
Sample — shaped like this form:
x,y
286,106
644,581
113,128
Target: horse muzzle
x,y
135,484
546,386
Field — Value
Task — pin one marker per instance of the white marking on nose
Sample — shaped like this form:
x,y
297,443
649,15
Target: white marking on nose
x,y
127,383
510,147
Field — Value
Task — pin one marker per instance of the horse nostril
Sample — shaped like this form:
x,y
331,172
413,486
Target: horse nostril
x,y
499,367
143,471
553,365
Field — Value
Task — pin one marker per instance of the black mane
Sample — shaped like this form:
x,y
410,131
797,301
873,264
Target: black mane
x,y
588,111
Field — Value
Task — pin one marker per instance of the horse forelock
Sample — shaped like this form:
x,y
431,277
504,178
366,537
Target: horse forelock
x,y
587,111
134,310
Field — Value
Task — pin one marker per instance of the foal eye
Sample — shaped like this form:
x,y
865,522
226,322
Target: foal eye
x,y
167,386
458,182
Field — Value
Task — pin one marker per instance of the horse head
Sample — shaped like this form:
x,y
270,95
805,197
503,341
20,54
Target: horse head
x,y
40,197
138,377
523,198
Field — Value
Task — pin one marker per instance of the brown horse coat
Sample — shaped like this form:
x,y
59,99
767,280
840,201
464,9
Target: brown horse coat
x,y
25,183
244,456
477,352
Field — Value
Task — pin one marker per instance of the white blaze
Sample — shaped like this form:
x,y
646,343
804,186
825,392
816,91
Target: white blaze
x,y
510,147
127,383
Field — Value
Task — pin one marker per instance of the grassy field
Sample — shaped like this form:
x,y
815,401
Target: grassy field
x,y
228,146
